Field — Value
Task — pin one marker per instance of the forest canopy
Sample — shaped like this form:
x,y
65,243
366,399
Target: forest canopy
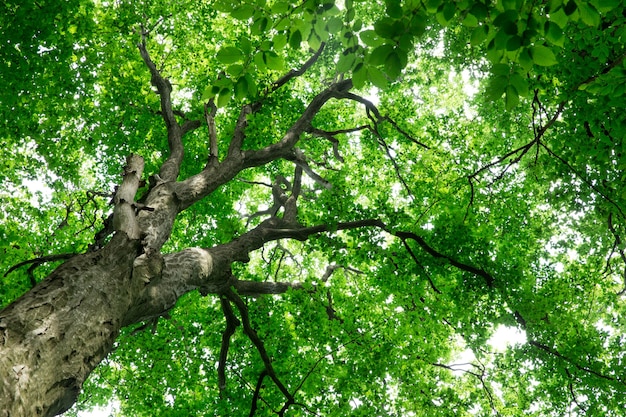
x,y
381,187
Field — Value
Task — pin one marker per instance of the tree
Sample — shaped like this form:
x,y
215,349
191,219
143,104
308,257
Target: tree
x,y
322,240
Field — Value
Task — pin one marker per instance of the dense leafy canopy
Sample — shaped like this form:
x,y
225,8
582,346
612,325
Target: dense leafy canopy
x,y
483,150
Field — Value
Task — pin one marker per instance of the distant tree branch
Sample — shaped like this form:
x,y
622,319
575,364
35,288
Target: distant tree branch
x,y
618,246
578,366
257,392
255,288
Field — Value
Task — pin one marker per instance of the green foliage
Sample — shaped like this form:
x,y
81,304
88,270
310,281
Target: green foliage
x,y
502,146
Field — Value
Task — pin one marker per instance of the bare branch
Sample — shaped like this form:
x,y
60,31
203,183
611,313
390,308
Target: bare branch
x,y
255,288
330,136
251,333
618,245
239,134
299,159
38,261
283,147
257,392
274,229
171,167
210,121
231,325
296,73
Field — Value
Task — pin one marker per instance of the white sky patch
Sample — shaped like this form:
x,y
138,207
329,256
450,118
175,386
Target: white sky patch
x,y
506,336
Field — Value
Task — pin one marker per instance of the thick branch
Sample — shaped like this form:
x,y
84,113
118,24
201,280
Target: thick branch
x,y
255,288
282,148
124,219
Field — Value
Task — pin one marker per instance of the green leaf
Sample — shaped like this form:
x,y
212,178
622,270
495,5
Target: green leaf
x,y
359,76
274,61
229,55
234,70
224,97
604,6
334,25
479,34
497,87
560,18
345,62
588,14
543,56
295,39
520,83
377,77
225,6
370,38
259,25
241,88
570,7
279,41
514,43
394,10
380,54
386,28
280,7
512,98
243,12
393,65
252,87
259,61
554,33
470,21
525,60
500,69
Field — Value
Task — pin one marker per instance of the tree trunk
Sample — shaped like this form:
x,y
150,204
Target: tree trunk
x,y
55,335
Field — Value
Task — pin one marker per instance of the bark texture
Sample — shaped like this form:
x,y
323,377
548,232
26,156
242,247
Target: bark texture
x,y
53,336
56,334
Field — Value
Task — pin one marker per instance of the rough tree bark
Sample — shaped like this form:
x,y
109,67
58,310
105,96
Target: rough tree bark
x,y
54,336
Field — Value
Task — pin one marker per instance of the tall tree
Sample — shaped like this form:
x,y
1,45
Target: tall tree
x,y
325,208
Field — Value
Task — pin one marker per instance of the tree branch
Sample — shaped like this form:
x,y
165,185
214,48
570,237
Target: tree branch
x,y
282,148
296,73
210,121
171,167
251,333
274,229
38,261
231,325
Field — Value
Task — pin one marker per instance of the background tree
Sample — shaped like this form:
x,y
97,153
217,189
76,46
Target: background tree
x,y
343,203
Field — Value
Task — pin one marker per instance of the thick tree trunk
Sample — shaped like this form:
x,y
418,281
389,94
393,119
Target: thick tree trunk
x,y
53,336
